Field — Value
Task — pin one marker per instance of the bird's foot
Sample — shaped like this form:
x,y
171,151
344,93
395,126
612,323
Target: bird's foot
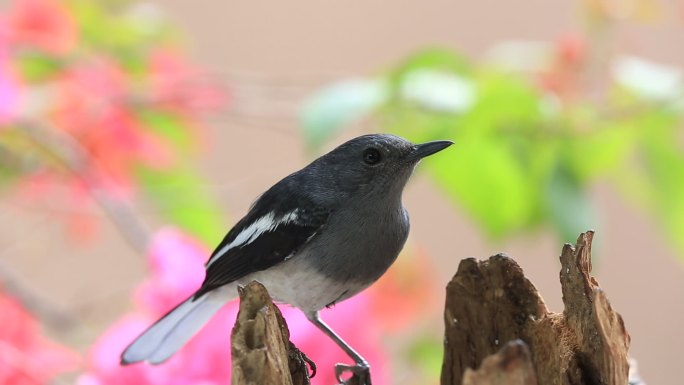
x,y
298,362
360,374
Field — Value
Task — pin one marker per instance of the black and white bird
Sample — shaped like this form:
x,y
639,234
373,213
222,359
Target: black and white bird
x,y
315,238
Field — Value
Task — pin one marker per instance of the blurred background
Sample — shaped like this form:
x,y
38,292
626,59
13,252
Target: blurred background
x,y
134,134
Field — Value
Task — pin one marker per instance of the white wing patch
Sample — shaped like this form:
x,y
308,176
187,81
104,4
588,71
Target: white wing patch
x,y
266,223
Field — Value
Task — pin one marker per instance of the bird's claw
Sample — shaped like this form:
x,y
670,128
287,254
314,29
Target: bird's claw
x,y
360,374
299,360
312,365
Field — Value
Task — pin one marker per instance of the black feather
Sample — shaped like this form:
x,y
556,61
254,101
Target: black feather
x,y
270,247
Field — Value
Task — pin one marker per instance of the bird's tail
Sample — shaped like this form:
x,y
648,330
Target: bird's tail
x,y
161,340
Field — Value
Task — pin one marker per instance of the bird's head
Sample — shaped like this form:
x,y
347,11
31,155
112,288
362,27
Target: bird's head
x,y
373,165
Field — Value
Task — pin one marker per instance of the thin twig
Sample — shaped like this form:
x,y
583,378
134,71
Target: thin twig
x,y
126,221
75,158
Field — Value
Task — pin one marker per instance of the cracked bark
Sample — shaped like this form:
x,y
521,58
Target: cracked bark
x,y
260,343
512,365
498,330
490,303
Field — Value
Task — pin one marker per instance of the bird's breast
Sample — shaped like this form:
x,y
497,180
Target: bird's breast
x,y
359,246
350,253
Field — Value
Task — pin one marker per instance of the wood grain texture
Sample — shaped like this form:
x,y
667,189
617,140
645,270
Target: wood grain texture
x,y
512,365
260,346
490,303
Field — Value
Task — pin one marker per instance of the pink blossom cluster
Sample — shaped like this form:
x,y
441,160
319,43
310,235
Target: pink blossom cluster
x,y
26,357
176,271
105,108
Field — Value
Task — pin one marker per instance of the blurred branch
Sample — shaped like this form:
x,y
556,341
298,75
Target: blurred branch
x,y
32,301
126,221
75,159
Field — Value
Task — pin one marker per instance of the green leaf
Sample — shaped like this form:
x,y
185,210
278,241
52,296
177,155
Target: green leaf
x,y
338,105
113,27
603,150
169,126
570,210
497,166
432,59
37,67
523,158
180,197
505,105
427,353
483,176
10,165
663,158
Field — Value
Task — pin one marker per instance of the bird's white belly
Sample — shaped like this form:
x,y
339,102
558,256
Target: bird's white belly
x,y
300,286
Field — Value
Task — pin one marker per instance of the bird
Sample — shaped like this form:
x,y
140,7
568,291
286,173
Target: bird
x,y
317,237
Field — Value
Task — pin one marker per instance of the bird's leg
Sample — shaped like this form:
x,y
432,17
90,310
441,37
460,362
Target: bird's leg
x,y
360,371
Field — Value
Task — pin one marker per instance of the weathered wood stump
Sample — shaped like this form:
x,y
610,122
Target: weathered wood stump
x,y
490,303
498,330
512,365
261,348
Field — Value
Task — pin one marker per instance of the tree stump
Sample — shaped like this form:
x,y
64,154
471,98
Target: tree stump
x,y
512,365
490,303
261,348
498,330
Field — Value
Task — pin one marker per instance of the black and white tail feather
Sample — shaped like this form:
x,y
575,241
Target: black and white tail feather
x,y
161,340
260,240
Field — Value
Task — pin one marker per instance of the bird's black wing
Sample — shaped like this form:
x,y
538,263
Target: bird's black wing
x,y
274,230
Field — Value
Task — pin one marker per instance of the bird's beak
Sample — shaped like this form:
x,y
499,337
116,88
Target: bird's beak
x,y
420,151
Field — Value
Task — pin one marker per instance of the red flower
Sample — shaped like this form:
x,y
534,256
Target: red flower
x,y
358,322
91,106
26,357
42,24
179,87
563,77
404,293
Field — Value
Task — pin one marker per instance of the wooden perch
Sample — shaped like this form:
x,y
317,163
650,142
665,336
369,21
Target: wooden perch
x,y
512,365
261,348
498,330
490,303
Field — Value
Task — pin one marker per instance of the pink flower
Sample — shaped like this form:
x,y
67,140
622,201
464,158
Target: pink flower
x,y
177,86
176,263
122,107
63,190
43,24
562,77
353,320
9,94
404,294
9,81
25,356
92,107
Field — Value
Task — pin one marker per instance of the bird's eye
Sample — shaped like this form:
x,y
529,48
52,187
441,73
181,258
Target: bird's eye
x,y
371,156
